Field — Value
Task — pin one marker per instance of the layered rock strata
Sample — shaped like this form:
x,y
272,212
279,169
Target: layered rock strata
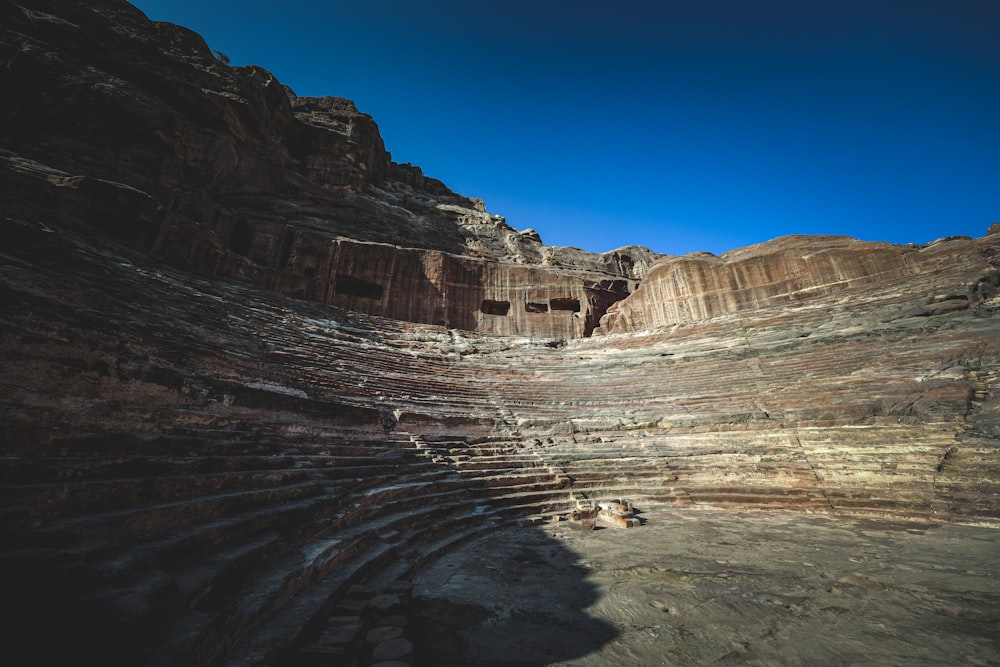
x,y
225,171
219,409
204,468
795,270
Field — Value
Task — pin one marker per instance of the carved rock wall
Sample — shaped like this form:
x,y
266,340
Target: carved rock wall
x,y
418,285
239,178
791,271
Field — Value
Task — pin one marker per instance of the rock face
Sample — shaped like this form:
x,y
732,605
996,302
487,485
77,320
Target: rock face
x,y
795,270
249,362
226,172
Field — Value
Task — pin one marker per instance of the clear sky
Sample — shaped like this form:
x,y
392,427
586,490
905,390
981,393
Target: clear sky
x,y
678,125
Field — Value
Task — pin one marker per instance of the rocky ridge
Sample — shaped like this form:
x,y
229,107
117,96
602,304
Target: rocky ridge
x,y
224,171
249,362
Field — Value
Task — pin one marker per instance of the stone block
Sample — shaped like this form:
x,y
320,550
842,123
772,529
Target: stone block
x,y
393,649
385,603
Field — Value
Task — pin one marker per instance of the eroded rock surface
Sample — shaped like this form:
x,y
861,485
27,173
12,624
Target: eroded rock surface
x,y
224,171
248,362
795,270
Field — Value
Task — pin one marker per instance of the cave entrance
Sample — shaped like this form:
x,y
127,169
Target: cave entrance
x,y
351,286
565,303
491,307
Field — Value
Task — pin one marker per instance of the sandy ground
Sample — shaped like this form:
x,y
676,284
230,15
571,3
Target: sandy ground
x,y
703,588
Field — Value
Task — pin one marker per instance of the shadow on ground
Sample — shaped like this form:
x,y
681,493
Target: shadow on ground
x,y
516,597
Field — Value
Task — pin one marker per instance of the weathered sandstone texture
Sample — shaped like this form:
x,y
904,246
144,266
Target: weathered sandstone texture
x,y
224,171
794,270
248,363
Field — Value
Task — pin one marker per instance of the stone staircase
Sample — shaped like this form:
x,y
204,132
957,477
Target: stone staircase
x,y
238,558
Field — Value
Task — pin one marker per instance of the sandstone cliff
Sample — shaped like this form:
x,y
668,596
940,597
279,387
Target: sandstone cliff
x,y
796,270
249,362
225,171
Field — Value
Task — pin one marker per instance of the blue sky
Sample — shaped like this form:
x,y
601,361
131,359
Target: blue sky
x,y
681,126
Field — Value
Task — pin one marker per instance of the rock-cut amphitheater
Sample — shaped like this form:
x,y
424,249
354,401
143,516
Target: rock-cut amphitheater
x,y
268,397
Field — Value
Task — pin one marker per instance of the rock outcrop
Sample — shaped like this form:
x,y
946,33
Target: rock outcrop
x,y
249,362
794,270
224,171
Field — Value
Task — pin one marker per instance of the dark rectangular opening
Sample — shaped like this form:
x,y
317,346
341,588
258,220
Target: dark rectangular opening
x,y
491,307
532,307
240,237
287,243
565,303
356,287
